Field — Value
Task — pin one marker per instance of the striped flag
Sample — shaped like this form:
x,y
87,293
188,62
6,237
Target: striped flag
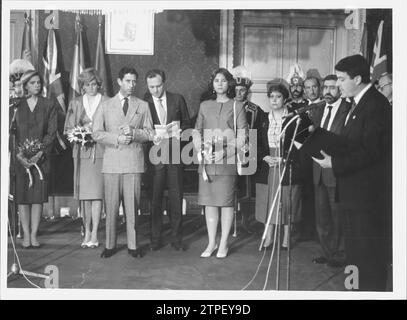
x,y
52,72
78,62
52,76
363,41
100,63
27,36
379,58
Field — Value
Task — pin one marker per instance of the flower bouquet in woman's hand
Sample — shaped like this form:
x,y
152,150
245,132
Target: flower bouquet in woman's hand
x,y
82,135
29,154
211,151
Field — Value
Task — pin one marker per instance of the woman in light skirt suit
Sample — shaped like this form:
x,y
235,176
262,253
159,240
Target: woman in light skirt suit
x,y
215,126
88,179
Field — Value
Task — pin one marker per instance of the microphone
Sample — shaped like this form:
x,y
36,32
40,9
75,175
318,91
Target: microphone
x,y
302,110
13,102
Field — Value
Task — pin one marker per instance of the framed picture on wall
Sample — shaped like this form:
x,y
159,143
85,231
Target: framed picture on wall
x,y
129,32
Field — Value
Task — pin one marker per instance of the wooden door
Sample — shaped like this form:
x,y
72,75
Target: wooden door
x,y
268,42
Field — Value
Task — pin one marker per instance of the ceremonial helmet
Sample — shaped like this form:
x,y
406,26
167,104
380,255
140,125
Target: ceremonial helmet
x,y
242,76
296,76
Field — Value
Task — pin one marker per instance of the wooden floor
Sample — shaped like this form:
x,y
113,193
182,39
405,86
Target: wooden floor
x,y
168,269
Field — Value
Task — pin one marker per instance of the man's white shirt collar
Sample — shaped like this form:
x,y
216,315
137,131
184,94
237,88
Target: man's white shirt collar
x,y
361,93
121,97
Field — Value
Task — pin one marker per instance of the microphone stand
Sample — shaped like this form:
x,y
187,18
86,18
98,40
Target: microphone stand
x,y
15,268
278,194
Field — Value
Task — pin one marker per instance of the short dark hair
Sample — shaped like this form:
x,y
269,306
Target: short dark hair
x,y
330,77
312,78
231,93
127,70
155,72
279,88
355,65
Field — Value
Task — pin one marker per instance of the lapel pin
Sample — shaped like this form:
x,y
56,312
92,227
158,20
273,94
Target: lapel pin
x,y
354,117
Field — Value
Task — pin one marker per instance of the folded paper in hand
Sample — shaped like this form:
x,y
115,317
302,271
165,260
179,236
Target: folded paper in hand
x,y
168,131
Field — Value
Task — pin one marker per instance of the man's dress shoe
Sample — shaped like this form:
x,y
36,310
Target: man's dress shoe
x,y
156,246
178,246
107,253
335,263
135,252
320,260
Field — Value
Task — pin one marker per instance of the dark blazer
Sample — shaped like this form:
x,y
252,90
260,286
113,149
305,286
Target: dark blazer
x,y
177,110
327,174
364,169
263,149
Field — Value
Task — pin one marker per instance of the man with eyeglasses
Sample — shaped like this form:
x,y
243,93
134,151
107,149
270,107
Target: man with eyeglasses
x,y
385,86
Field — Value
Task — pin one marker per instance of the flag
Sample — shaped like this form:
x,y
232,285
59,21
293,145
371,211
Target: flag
x,y
379,58
52,72
100,63
363,41
26,45
78,63
52,75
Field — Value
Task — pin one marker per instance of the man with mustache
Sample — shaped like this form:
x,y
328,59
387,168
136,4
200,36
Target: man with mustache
x,y
327,214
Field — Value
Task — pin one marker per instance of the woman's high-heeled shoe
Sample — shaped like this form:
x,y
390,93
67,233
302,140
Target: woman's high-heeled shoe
x,y
92,245
221,255
207,253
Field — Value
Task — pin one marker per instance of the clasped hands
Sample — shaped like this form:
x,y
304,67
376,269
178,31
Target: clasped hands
x,y
28,163
272,161
214,156
126,136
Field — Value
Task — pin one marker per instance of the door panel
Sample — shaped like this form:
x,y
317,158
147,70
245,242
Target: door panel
x,y
315,49
269,42
262,55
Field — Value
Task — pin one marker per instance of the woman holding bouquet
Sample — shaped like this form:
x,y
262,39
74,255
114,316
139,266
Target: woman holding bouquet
x,y
36,126
215,139
88,179
270,167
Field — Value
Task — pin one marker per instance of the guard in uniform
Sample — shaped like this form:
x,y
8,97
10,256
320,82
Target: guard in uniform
x,y
242,77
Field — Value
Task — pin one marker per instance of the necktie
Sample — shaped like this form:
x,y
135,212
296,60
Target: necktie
x,y
352,108
161,112
125,105
328,117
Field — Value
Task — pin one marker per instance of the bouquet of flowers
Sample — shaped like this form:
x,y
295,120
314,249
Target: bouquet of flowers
x,y
29,153
82,135
208,149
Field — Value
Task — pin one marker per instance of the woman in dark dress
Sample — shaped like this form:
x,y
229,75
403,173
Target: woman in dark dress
x,y
36,118
216,121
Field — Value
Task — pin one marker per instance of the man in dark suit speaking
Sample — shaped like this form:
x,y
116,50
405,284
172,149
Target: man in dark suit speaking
x,y
363,172
170,115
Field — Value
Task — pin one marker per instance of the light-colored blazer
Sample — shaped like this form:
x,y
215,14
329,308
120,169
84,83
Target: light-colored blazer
x,y
217,116
77,116
109,118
